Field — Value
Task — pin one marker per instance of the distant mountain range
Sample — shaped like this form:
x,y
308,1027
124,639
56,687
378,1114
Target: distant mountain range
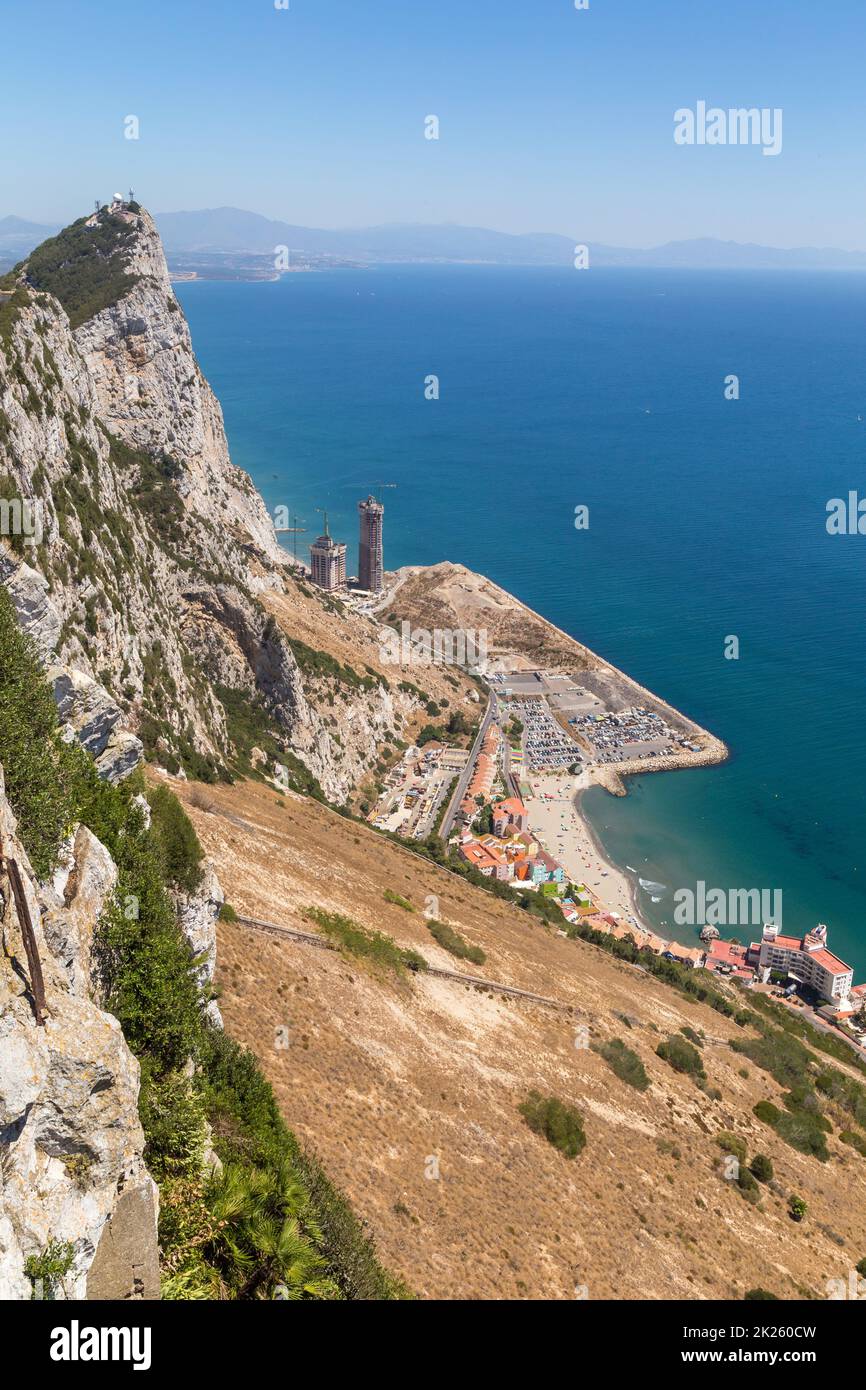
x,y
18,236
217,231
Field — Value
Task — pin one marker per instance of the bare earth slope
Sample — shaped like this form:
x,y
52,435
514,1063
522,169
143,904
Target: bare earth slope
x,y
389,1078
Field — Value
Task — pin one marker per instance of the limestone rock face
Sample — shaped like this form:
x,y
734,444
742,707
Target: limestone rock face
x,y
71,1144
36,614
141,602
82,889
96,720
197,916
148,589
152,394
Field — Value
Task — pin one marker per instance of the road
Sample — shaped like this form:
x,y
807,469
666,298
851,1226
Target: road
x,y
465,776
456,976
511,778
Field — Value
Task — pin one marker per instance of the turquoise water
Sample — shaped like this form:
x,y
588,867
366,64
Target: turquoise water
x,y
707,516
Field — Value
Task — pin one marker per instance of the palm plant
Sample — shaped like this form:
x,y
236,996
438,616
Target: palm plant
x,y
264,1235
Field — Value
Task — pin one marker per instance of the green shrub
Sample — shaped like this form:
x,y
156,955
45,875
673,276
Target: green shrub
x,y
797,1207
624,1063
227,913
803,1131
148,978
747,1186
452,941
760,1296
762,1168
47,1271
767,1112
732,1144
319,665
175,838
36,763
680,1055
784,1057
145,967
856,1141
560,1124
845,1091
391,897
374,946
78,1166
802,1100
173,1118
804,1134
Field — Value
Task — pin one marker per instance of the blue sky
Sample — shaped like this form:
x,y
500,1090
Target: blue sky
x,y
551,119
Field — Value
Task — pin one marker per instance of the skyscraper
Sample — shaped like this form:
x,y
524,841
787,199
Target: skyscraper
x,y
328,561
370,557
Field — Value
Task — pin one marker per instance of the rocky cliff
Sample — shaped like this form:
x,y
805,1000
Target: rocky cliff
x,y
141,560
77,1205
171,626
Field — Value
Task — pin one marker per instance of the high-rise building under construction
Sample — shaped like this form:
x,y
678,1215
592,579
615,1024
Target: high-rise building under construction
x,y
370,556
328,561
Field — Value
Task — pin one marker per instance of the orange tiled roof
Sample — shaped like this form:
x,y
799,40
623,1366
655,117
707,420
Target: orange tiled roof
x,y
725,951
830,962
824,958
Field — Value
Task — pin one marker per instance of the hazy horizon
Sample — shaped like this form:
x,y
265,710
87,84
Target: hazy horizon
x,y
551,119
17,215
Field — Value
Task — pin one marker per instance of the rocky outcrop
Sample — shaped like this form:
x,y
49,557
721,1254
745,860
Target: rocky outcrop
x,y
36,614
74,900
126,1263
88,710
197,916
114,439
71,1165
152,395
153,564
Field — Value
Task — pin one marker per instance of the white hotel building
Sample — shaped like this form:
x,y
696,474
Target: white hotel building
x,y
805,960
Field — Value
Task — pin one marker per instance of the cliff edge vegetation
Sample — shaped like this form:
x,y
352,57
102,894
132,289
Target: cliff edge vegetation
x,y
245,1211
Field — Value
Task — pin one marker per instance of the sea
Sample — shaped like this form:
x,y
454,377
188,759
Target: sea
x,y
706,570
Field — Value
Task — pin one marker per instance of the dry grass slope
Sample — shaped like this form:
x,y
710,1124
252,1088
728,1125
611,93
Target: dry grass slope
x,y
392,1078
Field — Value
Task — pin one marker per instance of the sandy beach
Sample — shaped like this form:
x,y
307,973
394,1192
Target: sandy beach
x,y
554,817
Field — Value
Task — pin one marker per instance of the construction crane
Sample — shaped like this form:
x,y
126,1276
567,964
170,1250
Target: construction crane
x,y
293,531
380,486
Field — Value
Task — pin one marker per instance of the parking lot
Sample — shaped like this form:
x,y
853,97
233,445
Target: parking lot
x,y
545,742
633,733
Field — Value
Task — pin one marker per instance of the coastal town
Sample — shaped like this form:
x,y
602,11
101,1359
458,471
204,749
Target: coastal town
x,y
509,807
